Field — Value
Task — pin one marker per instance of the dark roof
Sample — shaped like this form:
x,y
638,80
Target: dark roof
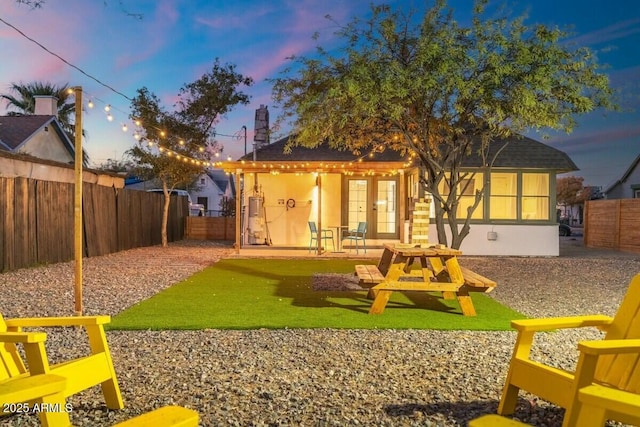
x,y
625,175
520,153
275,152
15,130
219,177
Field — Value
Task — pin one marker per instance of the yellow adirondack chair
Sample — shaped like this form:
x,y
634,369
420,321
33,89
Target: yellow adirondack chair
x,y
613,362
80,374
596,404
43,390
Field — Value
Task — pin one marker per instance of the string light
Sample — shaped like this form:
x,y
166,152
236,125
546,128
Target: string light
x,y
186,159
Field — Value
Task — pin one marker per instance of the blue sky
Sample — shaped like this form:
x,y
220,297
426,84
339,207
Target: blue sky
x,y
176,41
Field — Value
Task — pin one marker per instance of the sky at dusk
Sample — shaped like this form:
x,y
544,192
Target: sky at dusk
x,y
174,42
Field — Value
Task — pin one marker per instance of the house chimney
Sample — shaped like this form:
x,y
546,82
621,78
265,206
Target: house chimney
x,y
261,134
46,105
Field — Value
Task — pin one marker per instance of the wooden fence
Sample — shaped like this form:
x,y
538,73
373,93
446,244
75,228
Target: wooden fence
x,y
613,224
36,221
211,228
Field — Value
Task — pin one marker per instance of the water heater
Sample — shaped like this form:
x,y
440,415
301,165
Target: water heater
x,y
255,223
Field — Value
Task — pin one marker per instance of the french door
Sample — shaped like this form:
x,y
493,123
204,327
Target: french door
x,y
374,200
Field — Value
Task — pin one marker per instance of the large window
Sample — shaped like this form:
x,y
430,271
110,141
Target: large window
x,y
467,188
522,196
535,196
503,203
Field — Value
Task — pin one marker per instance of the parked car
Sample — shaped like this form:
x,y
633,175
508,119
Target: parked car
x,y
195,209
564,229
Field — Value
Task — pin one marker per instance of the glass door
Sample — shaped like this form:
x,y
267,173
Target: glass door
x,y
386,209
374,200
358,197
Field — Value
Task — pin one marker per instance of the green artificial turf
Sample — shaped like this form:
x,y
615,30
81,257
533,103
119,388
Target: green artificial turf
x,y
275,294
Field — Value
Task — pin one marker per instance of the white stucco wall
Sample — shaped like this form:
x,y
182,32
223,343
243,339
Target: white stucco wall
x,y
210,190
289,226
47,145
512,240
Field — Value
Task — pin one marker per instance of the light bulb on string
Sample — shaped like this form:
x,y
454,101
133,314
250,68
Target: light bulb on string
x,y
124,127
136,136
90,104
109,117
107,108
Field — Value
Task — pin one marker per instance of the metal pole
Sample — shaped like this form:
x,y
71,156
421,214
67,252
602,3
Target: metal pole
x,y
245,139
77,209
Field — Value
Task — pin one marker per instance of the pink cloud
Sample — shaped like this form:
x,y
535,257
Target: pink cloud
x,y
242,18
597,139
615,31
156,30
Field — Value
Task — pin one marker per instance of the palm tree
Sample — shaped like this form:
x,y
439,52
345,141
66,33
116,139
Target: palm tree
x,y
24,103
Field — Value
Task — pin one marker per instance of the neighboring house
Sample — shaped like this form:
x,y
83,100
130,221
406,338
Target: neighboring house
x,y
36,147
39,135
208,192
573,215
283,192
628,186
212,187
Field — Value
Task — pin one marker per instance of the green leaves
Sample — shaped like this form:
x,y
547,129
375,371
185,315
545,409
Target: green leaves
x,y
440,85
175,147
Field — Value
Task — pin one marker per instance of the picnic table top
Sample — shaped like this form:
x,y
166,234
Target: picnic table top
x,y
407,249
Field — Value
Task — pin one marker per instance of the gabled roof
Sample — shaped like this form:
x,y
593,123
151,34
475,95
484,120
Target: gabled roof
x,y
219,177
520,152
625,175
17,130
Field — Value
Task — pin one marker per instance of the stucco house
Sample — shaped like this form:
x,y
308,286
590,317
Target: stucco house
x,y
36,147
39,135
283,192
205,195
628,185
212,187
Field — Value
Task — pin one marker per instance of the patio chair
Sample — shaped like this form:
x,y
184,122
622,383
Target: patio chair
x,y
596,405
80,374
23,393
325,234
359,234
613,362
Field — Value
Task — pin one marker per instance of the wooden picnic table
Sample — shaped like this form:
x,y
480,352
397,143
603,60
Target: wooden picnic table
x,y
439,272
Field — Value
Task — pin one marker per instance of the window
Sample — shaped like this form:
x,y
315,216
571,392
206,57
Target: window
x,y
467,188
504,196
535,196
524,200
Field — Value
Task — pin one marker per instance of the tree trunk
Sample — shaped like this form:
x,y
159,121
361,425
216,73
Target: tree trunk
x,y
442,234
165,220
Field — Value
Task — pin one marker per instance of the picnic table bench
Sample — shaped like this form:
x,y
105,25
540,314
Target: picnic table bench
x,y
370,274
439,272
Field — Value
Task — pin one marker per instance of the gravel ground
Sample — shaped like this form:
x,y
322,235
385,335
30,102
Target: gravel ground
x,y
312,377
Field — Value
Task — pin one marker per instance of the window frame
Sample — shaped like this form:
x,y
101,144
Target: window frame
x,y
520,196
